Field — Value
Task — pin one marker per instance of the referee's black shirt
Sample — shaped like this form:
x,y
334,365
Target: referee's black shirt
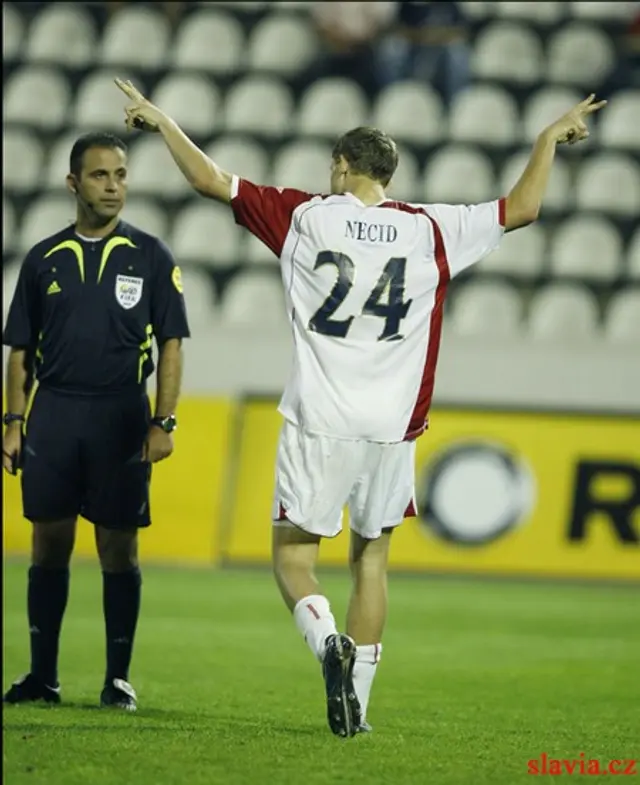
x,y
88,308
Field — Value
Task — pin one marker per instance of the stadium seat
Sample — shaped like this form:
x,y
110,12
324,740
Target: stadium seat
x,y
633,257
410,112
256,252
622,319
36,96
283,44
559,195
564,312
609,183
303,165
579,54
209,41
509,52
587,247
545,13
23,158
8,225
404,183
601,10
546,106
10,275
330,107
521,254
99,104
478,10
483,309
47,216
458,174
205,233
192,100
61,34
57,166
243,6
620,123
135,36
145,215
153,171
200,297
240,156
485,114
259,105
254,299
12,32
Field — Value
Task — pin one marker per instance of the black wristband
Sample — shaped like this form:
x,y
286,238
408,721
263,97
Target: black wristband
x,y
8,418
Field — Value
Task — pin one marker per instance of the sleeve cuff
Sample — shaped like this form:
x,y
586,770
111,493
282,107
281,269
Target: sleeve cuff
x,y
235,186
502,212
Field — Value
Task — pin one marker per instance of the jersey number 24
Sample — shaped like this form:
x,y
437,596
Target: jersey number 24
x,y
392,311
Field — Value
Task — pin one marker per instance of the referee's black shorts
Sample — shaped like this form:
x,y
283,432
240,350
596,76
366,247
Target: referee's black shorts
x,y
83,456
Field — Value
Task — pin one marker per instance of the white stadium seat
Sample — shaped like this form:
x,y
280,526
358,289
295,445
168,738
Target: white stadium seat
x,y
303,165
622,321
330,107
62,33
521,254
209,41
254,299
200,297
23,157
564,312
36,96
12,32
478,10
579,54
135,36
205,233
57,166
10,275
283,44
100,104
410,112
620,123
259,105
8,225
47,216
404,184
483,309
153,171
484,114
256,252
633,257
601,10
609,183
587,247
147,216
508,52
559,194
458,175
544,13
240,156
546,106
192,100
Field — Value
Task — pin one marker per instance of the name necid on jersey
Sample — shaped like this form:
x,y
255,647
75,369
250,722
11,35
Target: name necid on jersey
x,y
374,233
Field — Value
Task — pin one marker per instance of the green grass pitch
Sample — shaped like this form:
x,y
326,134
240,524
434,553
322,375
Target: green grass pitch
x,y
477,677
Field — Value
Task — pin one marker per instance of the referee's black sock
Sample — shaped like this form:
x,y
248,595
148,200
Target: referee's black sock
x,y
46,602
121,603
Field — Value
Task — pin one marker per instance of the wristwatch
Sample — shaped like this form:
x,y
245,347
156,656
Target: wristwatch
x,y
168,424
8,418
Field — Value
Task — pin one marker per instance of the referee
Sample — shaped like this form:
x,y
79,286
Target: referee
x,y
88,303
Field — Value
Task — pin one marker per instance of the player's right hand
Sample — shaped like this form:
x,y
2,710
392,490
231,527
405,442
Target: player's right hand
x,y
572,126
11,448
140,113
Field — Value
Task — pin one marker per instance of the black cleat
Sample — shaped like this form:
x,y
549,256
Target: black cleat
x,y
119,694
343,707
29,689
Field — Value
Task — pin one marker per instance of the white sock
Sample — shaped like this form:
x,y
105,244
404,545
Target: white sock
x,y
364,670
315,621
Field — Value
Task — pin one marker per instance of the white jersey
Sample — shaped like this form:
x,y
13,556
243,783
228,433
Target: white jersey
x,y
365,288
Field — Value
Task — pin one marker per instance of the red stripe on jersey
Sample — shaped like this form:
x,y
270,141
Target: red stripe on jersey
x,y
411,511
418,420
502,212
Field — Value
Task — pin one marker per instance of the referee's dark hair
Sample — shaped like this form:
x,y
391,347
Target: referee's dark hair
x,y
87,142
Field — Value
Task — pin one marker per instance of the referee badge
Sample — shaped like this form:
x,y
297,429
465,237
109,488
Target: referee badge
x,y
128,291
176,277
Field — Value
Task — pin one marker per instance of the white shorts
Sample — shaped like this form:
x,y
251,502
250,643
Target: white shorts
x,y
317,476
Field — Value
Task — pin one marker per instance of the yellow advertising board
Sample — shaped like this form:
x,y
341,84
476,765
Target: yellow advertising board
x,y
498,493
186,492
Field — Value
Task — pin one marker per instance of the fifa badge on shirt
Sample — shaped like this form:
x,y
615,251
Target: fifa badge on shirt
x,y
128,291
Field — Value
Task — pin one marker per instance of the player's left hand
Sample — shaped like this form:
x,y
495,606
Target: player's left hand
x,y
140,113
158,445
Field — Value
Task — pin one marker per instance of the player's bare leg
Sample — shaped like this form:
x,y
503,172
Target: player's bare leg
x,y
367,612
48,591
295,553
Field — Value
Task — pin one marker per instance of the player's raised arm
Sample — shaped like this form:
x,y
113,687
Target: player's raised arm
x,y
205,176
523,203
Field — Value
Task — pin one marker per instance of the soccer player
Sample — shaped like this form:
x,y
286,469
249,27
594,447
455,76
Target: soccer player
x,y
88,303
365,279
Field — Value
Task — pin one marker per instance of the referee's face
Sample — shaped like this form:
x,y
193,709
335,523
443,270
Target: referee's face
x,y
102,188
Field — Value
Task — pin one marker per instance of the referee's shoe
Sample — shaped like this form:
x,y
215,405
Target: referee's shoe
x,y
28,689
119,694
